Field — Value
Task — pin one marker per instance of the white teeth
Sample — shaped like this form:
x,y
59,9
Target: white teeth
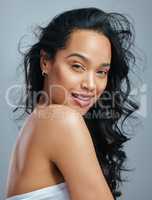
x,y
81,97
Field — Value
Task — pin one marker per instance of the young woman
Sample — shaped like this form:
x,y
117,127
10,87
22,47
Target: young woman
x,y
71,146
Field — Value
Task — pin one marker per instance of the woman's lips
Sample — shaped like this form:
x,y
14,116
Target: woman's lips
x,y
81,100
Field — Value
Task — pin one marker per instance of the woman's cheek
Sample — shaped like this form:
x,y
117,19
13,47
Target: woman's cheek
x,y
101,85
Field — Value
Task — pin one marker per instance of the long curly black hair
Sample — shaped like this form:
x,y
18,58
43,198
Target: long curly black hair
x,y
104,118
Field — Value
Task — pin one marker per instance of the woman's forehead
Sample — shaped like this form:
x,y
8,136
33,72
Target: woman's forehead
x,y
89,44
90,38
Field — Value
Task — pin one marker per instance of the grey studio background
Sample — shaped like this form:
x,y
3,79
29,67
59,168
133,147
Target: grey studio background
x,y
17,18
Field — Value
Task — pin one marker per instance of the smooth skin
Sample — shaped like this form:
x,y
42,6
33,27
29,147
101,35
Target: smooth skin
x,y
89,76
54,144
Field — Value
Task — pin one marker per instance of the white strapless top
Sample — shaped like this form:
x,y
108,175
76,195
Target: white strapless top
x,y
54,192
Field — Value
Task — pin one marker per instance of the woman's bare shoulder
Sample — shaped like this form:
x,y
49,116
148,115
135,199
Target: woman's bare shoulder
x,y
56,115
55,111
65,140
52,122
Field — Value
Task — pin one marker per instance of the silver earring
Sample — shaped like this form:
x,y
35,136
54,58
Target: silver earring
x,y
44,73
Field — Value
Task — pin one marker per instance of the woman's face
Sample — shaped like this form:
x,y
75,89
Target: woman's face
x,y
78,75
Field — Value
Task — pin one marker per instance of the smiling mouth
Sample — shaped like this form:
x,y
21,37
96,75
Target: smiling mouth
x,y
81,100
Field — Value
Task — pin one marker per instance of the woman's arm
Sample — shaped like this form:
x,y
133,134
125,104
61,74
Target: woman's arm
x,y
67,142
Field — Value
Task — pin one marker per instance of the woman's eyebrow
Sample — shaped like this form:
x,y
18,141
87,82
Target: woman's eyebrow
x,y
87,60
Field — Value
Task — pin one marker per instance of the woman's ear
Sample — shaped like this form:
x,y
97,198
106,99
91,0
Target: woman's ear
x,y
44,61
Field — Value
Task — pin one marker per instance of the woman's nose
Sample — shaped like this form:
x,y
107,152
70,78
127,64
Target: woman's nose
x,y
89,82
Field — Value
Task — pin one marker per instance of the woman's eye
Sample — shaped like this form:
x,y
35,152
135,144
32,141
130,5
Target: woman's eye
x,y
102,73
77,67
